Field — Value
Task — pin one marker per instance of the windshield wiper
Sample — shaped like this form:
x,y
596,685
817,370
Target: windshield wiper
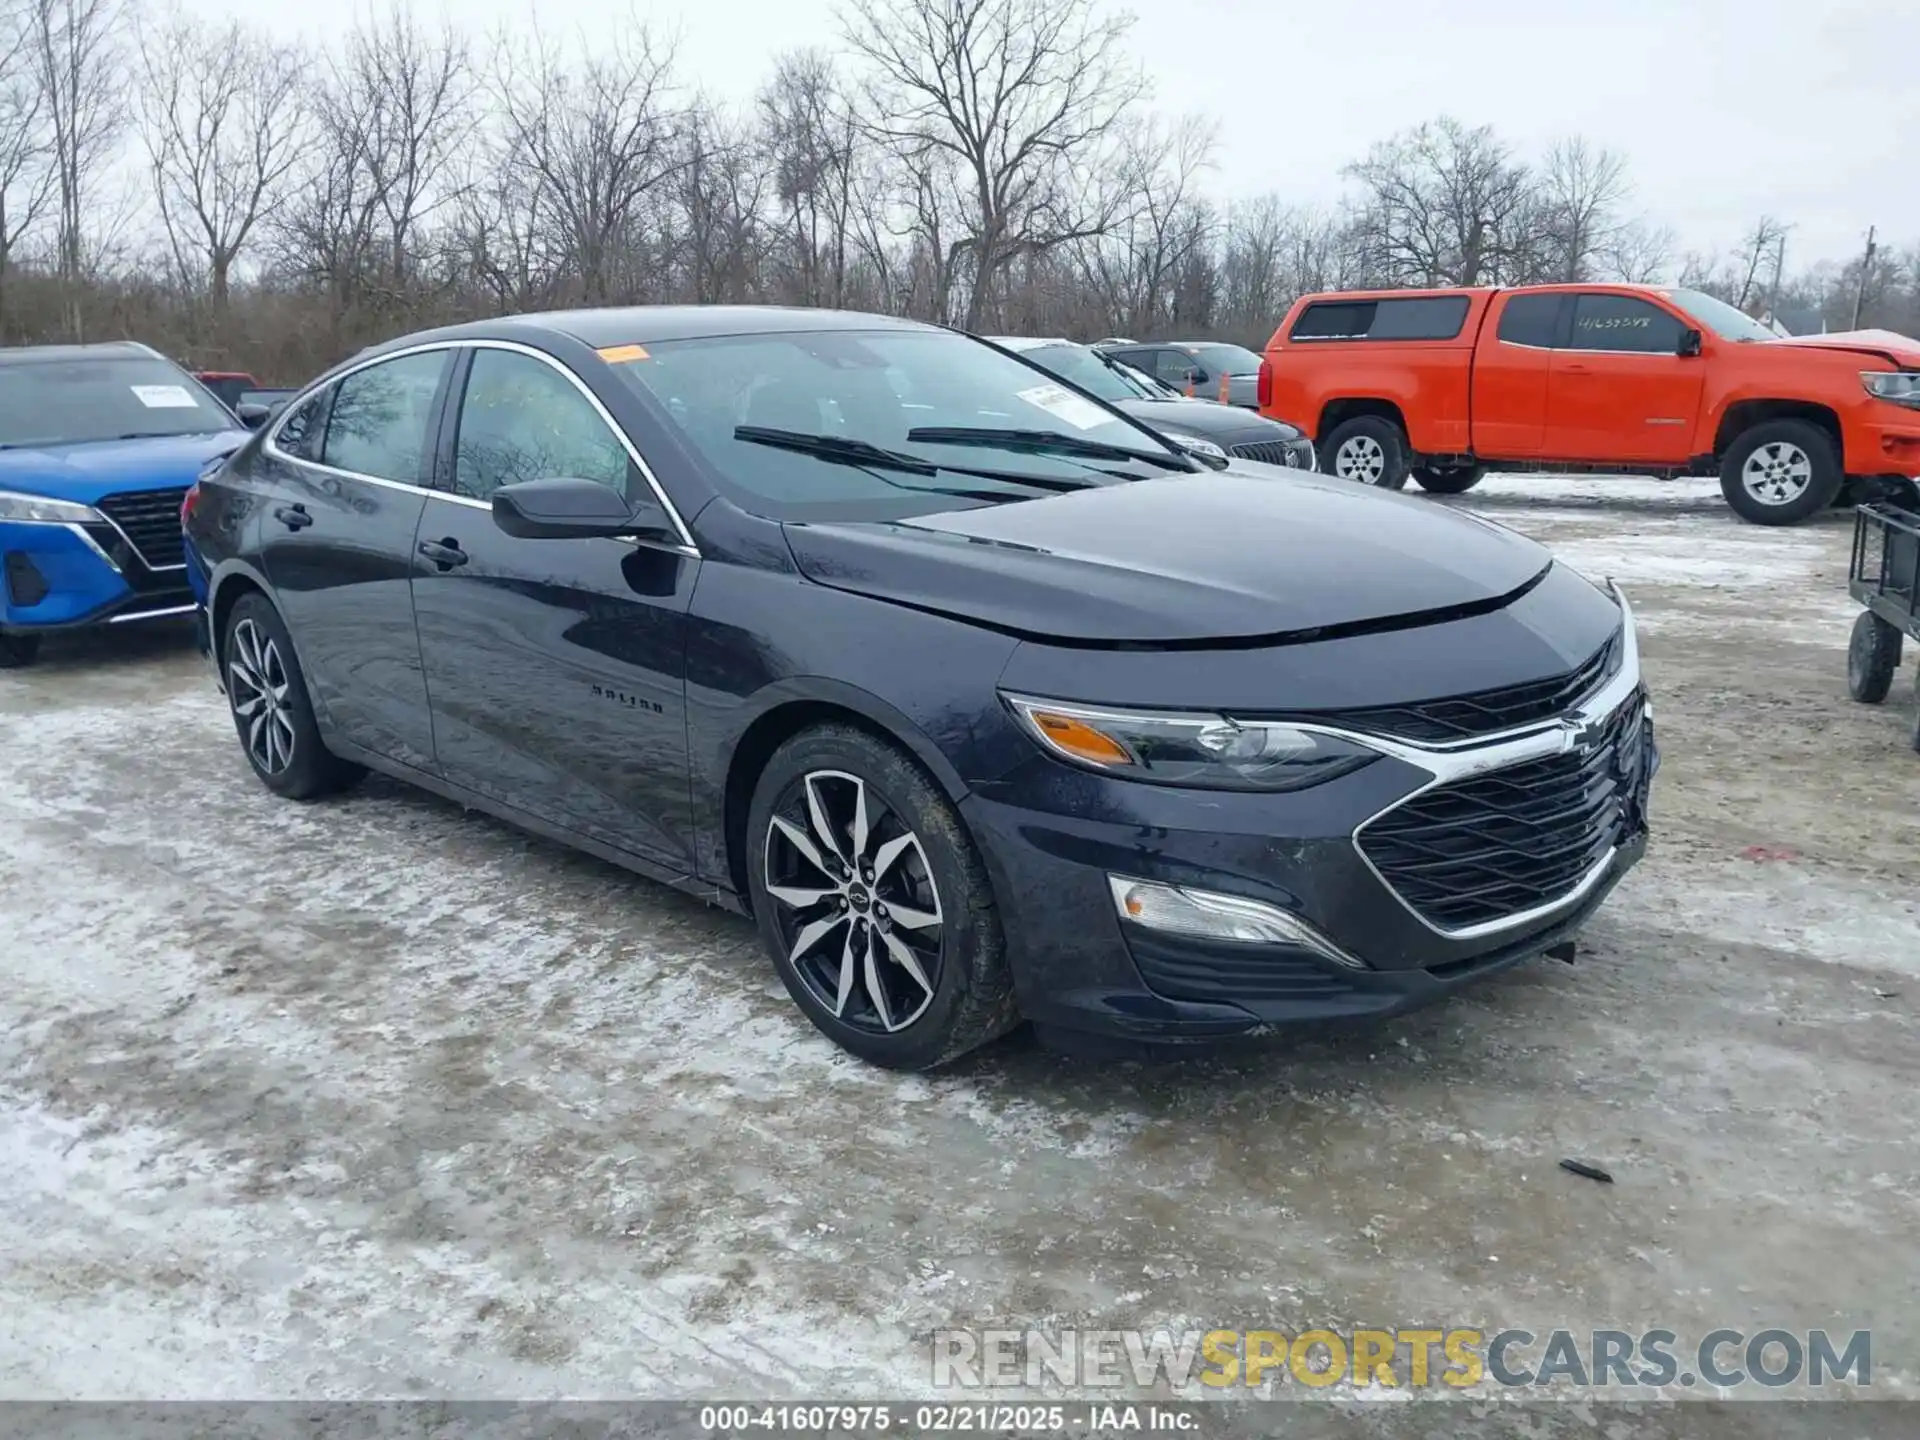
x,y
839,449
1041,440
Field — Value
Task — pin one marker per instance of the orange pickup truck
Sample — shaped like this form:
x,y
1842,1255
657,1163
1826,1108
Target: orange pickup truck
x,y
1444,385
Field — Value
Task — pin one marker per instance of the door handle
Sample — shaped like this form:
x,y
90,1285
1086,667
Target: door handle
x,y
294,517
1575,368
446,554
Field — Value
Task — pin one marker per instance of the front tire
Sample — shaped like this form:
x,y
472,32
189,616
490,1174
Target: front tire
x,y
1873,656
874,903
1368,450
1781,473
272,712
1453,480
18,651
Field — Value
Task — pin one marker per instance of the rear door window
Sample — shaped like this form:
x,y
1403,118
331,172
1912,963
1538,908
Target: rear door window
x,y
1530,320
380,416
1623,323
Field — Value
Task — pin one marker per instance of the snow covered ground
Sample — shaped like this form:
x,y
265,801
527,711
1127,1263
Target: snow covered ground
x,y
377,1098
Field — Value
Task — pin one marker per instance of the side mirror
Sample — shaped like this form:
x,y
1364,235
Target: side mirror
x,y
570,509
253,416
1689,343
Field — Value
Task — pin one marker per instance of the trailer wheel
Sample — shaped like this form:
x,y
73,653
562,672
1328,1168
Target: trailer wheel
x,y
1873,655
1448,480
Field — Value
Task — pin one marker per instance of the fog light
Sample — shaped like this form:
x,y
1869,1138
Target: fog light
x,y
1204,915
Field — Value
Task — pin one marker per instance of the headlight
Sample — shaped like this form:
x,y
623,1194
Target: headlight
x,y
1902,387
15,506
1194,443
1208,751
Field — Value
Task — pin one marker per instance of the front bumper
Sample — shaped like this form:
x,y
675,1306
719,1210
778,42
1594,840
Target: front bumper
x,y
1079,968
67,577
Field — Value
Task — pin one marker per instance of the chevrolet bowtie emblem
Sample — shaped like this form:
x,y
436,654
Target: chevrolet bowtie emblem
x,y
1583,736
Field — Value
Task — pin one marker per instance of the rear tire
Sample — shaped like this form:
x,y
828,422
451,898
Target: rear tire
x,y
1873,657
1781,472
846,839
1368,450
1453,480
18,651
272,712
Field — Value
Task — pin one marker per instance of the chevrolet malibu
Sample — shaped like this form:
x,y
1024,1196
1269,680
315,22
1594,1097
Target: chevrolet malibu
x,y
984,702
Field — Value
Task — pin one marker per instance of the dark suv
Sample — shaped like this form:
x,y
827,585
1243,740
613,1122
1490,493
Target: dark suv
x,y
1207,369
981,698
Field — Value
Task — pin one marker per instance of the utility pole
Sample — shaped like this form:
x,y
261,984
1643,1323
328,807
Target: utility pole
x,y
1860,291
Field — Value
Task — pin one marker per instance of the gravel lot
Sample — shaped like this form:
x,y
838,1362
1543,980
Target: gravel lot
x,y
377,1098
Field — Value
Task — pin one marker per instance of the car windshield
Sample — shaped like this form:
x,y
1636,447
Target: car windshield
x,y
877,424
1225,359
81,400
1147,385
1078,365
1718,316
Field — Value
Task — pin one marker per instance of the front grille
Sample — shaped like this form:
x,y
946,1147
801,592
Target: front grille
x,y
1272,452
1494,845
1462,717
151,521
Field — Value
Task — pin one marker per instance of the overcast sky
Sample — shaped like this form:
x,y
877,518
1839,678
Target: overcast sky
x,y
1805,109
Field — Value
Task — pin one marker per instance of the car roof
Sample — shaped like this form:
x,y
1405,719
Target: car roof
x,y
49,354
655,324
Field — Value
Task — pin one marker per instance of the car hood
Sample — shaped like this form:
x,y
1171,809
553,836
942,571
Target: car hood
x,y
1224,556
1207,420
86,472
1881,344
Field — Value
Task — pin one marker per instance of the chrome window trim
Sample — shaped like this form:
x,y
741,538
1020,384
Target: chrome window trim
x,y
270,443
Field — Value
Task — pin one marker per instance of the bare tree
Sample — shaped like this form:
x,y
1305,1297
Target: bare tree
x,y
1021,96
814,143
599,136
1638,253
1580,192
1135,267
222,118
77,49
397,103
1756,252
1445,205
26,173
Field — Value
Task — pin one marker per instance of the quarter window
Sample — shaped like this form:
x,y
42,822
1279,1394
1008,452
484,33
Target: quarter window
x,y
380,415
522,419
1622,323
1530,320
1427,317
300,434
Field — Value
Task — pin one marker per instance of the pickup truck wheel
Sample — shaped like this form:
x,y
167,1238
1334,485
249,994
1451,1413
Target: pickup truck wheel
x,y
1781,472
1369,450
1452,480
1873,656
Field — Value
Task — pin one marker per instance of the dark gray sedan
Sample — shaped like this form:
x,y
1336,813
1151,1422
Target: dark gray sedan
x,y
1226,428
1207,369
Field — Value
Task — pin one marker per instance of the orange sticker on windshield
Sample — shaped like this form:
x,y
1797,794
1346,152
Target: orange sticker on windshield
x,y
621,354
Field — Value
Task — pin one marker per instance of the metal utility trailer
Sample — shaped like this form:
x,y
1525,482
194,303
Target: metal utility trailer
x,y
1885,578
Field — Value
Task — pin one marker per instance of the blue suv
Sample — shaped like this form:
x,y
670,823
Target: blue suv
x,y
98,444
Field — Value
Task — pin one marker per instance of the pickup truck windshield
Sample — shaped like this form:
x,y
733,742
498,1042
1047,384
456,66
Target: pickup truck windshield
x,y
1718,316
